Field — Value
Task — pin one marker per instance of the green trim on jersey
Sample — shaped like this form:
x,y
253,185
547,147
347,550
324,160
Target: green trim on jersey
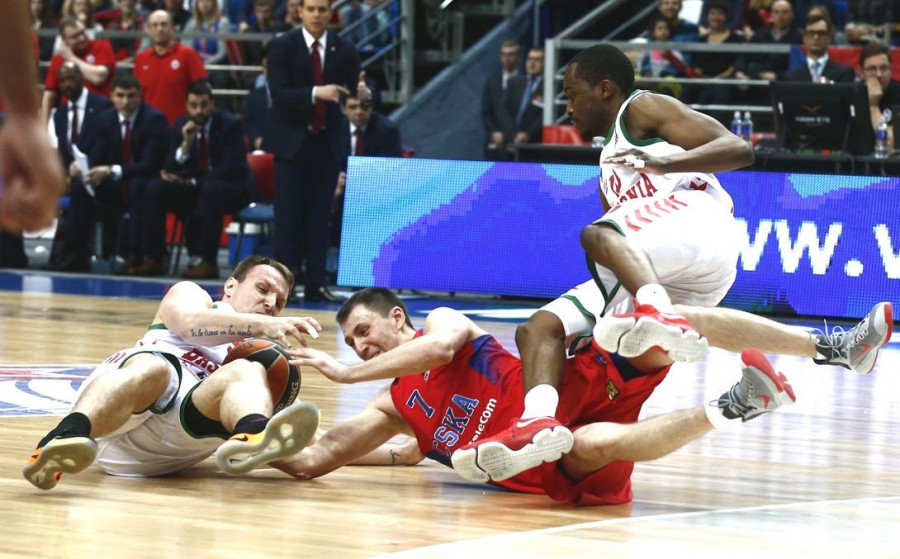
x,y
210,427
642,143
157,326
607,296
578,305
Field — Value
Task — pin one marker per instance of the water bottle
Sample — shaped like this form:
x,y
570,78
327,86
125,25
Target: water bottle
x,y
881,139
736,123
747,128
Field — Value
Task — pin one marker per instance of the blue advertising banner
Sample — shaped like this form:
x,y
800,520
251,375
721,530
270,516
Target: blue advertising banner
x,y
815,245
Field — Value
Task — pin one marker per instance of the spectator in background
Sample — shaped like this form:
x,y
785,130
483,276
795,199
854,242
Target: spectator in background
x,y
292,14
76,122
757,66
664,63
83,11
42,20
803,7
123,18
208,20
207,170
167,68
137,137
178,15
884,91
492,99
757,15
717,65
94,58
681,30
308,70
819,67
265,22
523,103
868,20
734,9
353,12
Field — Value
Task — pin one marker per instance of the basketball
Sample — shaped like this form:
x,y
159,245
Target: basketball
x,y
284,378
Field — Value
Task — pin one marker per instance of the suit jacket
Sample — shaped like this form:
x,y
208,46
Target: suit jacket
x,y
834,71
291,81
755,63
532,121
491,101
381,138
149,141
91,139
226,151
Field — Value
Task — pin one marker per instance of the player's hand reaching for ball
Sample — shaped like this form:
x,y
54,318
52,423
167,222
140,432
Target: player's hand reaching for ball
x,y
327,365
283,329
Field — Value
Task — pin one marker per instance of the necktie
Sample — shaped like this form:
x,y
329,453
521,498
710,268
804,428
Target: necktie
x,y
317,121
203,159
526,98
816,70
126,143
360,146
74,137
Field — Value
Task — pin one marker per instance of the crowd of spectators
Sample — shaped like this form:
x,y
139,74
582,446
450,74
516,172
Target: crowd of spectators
x,y
141,133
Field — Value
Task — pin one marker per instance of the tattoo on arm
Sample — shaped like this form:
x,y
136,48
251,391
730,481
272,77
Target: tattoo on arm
x,y
394,456
230,331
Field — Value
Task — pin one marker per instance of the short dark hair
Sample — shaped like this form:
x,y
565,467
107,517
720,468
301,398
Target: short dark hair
x,y
720,5
817,18
200,87
244,266
67,22
655,19
376,299
125,81
873,49
604,62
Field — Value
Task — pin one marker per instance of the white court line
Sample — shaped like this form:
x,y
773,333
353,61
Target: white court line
x,y
448,547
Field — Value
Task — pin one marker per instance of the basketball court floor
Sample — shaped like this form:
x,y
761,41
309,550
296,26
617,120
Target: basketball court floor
x,y
818,479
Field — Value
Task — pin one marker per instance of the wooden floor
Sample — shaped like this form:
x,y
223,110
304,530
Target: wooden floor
x,y
821,479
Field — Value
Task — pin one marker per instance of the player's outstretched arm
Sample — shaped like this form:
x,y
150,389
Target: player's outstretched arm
x,y
187,310
709,146
357,437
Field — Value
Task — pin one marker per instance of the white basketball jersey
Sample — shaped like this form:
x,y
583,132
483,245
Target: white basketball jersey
x,y
200,361
619,183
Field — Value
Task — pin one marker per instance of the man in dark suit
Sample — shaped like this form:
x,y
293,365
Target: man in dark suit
x,y
819,68
768,66
492,99
137,136
206,176
523,107
77,123
308,70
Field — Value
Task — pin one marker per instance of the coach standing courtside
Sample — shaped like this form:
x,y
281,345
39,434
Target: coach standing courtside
x,y
308,70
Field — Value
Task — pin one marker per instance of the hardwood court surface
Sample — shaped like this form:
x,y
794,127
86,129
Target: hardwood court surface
x,y
821,479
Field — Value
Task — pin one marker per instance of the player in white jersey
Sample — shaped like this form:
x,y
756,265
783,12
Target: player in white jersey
x,y
157,407
668,234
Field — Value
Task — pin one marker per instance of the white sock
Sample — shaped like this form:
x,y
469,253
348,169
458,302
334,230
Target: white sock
x,y
541,401
654,295
715,415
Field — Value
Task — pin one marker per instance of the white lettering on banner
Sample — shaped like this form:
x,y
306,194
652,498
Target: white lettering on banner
x,y
791,252
752,252
890,258
807,239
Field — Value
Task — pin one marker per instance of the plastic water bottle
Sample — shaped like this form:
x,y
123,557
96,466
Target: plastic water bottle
x,y
736,123
747,128
881,139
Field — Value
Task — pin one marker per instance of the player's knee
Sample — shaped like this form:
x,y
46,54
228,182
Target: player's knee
x,y
596,238
242,370
597,442
541,325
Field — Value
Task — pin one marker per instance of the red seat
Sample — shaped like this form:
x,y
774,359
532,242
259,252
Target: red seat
x,y
262,165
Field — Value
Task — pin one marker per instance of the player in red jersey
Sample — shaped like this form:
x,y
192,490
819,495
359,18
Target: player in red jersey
x,y
454,383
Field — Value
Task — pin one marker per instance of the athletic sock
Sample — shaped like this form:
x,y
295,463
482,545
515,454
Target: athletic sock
x,y
251,424
73,425
655,295
541,401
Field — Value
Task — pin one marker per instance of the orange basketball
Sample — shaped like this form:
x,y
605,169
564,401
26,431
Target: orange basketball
x,y
284,378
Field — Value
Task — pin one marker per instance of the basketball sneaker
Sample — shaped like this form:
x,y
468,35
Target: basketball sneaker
x,y
286,433
760,390
67,455
632,334
525,444
858,348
